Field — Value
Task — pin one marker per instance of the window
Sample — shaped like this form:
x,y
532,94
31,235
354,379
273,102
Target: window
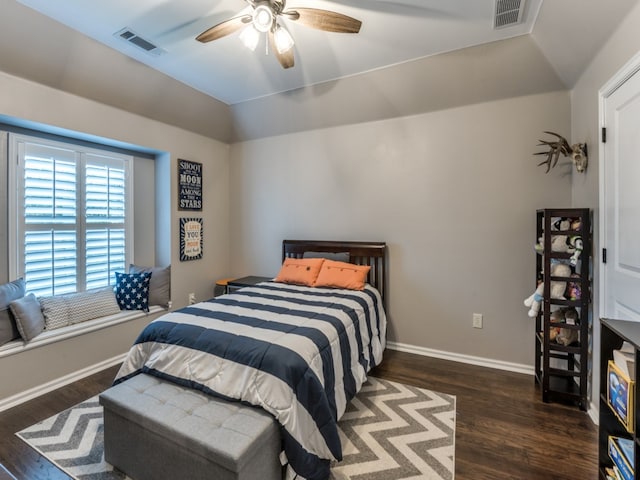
x,y
72,226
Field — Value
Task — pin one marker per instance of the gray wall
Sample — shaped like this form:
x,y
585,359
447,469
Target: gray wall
x,y
39,105
623,45
503,69
54,55
452,192
48,365
4,186
144,214
69,113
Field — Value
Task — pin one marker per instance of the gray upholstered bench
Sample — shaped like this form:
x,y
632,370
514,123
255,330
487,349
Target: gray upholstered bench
x,y
158,430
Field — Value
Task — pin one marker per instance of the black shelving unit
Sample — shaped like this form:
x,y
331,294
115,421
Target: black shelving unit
x,y
612,334
564,371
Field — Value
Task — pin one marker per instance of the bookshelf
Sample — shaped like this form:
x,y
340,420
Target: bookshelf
x,y
612,336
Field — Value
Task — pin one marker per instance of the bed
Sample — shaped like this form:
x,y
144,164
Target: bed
x,y
301,353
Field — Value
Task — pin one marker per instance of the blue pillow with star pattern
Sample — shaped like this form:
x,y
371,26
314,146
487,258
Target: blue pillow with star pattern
x,y
132,291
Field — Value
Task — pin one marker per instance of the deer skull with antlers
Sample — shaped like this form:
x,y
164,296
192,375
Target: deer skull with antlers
x,y
577,152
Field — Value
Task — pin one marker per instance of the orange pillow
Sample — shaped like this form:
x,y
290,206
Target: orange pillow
x,y
301,271
342,275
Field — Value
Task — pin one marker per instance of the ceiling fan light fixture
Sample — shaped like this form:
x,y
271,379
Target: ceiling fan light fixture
x,y
263,18
250,37
282,39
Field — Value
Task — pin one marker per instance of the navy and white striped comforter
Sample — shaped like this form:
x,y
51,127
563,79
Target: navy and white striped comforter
x,y
300,353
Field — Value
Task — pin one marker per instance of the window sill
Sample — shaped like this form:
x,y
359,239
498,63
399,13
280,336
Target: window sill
x,y
70,331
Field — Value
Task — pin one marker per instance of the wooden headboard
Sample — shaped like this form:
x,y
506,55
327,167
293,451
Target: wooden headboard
x,y
360,253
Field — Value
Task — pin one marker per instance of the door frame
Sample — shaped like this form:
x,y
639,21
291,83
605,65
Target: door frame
x,y
619,78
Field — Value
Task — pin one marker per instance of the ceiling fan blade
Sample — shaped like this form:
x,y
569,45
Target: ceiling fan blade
x,y
224,28
324,20
286,58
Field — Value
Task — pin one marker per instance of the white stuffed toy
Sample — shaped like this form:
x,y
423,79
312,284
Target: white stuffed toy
x,y
565,244
575,244
559,243
557,289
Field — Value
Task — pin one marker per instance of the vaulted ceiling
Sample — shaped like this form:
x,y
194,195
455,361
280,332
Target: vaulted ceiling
x,y
410,56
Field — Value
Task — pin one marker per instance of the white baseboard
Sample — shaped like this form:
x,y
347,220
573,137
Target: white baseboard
x,y
22,397
480,361
594,413
32,393
457,357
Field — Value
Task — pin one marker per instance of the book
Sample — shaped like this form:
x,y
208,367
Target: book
x,y
625,359
620,391
622,467
612,473
625,445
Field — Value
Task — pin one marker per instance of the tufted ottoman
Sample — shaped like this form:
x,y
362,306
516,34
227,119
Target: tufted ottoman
x,y
155,429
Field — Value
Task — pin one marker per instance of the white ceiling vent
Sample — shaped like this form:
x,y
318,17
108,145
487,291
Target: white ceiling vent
x,y
137,41
508,13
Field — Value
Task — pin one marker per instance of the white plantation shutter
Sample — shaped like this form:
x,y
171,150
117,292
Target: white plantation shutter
x,y
72,215
105,255
50,262
105,209
50,217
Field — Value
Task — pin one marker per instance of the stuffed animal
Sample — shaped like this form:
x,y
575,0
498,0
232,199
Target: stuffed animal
x,y
557,289
564,244
564,336
575,247
573,289
562,223
576,223
559,243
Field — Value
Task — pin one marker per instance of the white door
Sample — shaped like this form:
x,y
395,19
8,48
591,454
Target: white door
x,y
621,202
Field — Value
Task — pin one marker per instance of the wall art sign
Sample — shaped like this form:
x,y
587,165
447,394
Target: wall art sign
x,y
189,185
190,239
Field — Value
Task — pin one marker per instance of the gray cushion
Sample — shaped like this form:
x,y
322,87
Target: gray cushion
x,y
159,285
337,257
62,310
98,302
54,310
28,315
8,293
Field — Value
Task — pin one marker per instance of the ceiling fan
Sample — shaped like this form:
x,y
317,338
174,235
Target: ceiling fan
x,y
264,19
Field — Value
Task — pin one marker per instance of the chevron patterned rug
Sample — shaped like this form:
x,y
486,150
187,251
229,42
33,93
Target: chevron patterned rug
x,y
390,431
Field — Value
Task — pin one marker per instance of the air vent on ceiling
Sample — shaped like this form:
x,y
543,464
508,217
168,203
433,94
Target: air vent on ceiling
x,y
509,13
136,40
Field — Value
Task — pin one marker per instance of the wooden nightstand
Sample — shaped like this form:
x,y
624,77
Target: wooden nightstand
x,y
220,288
238,283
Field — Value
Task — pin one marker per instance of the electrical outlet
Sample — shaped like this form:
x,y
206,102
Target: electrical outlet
x,y
477,320
192,298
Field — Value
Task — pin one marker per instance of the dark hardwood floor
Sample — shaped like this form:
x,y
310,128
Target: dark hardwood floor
x,y
503,430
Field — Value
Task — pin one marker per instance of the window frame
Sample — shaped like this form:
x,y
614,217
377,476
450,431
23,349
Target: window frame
x,y
17,225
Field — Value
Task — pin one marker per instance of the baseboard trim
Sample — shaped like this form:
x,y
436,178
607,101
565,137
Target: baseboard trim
x,y
17,399
27,395
457,357
594,413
